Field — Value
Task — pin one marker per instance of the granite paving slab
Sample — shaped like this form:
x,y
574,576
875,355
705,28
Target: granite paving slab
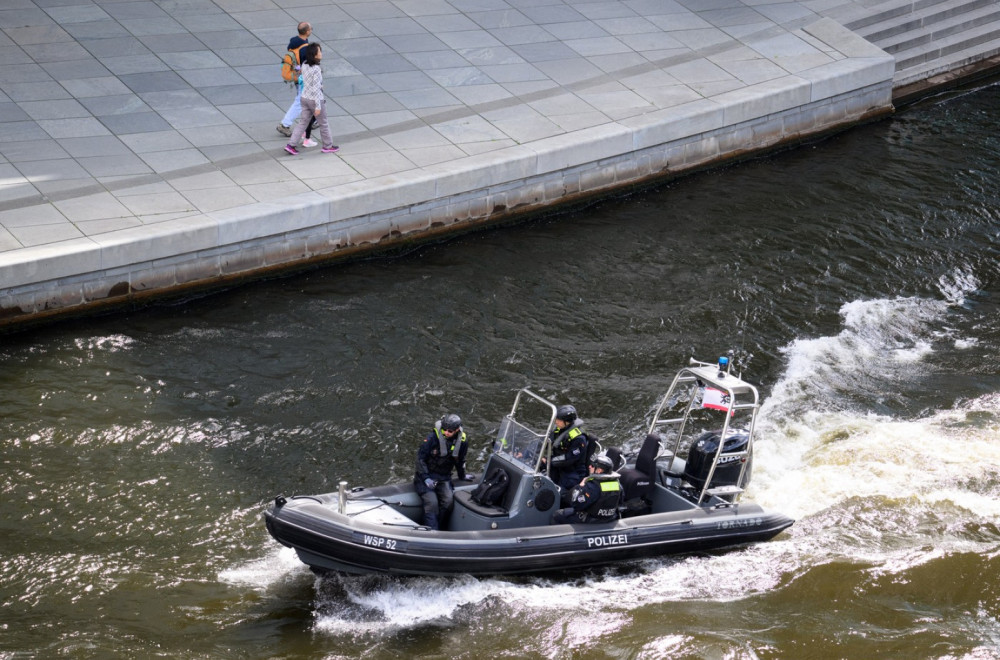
x,y
123,117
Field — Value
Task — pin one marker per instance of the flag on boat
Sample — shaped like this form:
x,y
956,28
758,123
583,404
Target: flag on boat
x,y
715,399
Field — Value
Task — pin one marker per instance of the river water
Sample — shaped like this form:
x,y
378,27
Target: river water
x,y
855,278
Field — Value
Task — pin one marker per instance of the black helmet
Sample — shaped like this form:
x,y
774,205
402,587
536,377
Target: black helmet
x,y
451,422
602,461
566,413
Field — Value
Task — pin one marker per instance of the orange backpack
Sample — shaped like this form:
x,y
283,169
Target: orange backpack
x,y
290,64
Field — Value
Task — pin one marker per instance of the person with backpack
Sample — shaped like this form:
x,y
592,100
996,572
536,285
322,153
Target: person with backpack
x,y
295,45
442,452
569,451
596,498
313,101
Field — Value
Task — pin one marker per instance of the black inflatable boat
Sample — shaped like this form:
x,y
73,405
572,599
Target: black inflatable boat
x,y
670,504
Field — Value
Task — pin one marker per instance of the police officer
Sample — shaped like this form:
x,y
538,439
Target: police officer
x,y
569,451
442,451
597,497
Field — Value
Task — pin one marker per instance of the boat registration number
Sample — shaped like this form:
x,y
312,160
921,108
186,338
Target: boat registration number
x,y
735,524
380,542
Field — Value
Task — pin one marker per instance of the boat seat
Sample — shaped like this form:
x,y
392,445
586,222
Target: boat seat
x,y
615,454
593,447
637,482
464,497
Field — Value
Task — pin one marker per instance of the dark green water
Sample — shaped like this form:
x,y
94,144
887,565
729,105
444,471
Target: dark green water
x,y
858,279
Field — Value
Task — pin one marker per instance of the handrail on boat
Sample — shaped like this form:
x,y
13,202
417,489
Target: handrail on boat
x,y
701,375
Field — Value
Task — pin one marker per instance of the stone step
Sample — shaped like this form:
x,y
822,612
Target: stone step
x,y
951,27
884,32
914,82
867,14
947,54
932,69
855,15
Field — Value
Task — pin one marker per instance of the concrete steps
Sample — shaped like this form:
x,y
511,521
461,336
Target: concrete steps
x,y
940,16
928,37
954,57
857,16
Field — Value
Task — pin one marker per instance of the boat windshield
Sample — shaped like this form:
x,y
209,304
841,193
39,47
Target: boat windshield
x,y
519,443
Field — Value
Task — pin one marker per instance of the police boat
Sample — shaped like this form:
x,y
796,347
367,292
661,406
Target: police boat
x,y
681,493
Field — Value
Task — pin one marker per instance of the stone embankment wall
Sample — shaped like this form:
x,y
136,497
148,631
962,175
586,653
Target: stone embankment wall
x,y
382,213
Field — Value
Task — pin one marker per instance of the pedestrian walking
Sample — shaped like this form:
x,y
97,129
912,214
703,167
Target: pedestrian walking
x,y
295,45
313,101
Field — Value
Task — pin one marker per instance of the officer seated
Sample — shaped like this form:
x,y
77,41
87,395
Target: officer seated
x,y
597,497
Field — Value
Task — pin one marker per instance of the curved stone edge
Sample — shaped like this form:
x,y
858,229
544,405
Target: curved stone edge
x,y
364,216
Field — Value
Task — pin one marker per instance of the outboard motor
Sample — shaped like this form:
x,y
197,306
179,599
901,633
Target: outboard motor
x,y
727,472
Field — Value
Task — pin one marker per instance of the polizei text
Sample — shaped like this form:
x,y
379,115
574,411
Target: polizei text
x,y
606,540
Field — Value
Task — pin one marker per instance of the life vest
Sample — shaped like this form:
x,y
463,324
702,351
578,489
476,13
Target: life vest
x,y
563,439
605,507
447,457
569,464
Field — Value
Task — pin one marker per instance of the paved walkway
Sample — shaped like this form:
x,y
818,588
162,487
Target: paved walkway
x,y
116,115
143,131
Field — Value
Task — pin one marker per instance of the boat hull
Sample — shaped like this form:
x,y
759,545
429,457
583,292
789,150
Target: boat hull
x,y
329,541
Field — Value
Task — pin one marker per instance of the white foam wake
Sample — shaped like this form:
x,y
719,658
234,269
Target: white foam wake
x,y
864,487
818,433
279,567
879,348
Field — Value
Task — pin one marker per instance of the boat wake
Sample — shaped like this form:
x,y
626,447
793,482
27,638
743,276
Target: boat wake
x,y
365,605
869,490
832,429
276,570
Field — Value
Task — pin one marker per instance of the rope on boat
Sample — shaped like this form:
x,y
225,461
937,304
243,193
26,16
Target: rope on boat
x,y
408,526
381,504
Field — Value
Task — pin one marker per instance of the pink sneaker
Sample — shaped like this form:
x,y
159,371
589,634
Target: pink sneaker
x,y
309,142
330,150
292,150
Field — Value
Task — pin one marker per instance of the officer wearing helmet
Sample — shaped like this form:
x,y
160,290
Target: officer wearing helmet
x,y
597,497
442,451
569,451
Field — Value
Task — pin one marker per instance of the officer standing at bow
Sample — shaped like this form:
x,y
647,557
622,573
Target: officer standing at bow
x,y
569,451
442,451
597,497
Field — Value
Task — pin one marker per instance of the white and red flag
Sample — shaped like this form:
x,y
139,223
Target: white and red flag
x,y
715,399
